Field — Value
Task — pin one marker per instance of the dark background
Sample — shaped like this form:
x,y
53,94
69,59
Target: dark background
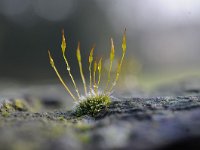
x,y
163,37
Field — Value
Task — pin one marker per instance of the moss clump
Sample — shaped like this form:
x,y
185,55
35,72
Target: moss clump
x,y
7,105
92,105
11,106
20,105
4,113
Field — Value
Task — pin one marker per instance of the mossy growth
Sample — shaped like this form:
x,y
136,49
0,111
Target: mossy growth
x,y
94,101
92,106
20,105
5,113
13,105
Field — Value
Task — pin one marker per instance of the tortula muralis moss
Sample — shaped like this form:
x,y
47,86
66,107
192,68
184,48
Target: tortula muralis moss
x,y
94,100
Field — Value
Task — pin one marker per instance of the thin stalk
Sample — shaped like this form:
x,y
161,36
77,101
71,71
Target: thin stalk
x,y
90,67
117,74
78,54
99,70
112,56
63,47
94,77
121,61
60,78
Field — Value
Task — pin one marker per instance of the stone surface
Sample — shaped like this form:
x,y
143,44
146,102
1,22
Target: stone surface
x,y
143,123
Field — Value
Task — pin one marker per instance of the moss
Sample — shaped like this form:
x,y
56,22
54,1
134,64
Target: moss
x,y
85,138
61,118
95,103
4,113
8,106
82,127
11,106
20,105
92,106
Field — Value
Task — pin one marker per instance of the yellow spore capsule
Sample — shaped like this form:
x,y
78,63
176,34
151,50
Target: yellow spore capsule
x,y
124,42
63,44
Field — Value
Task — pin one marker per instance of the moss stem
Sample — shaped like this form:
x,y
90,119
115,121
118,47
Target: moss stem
x,y
78,54
60,78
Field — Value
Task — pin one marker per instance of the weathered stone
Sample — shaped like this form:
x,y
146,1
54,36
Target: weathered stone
x,y
128,123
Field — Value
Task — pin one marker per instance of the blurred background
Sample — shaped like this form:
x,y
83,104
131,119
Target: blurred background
x,y
163,37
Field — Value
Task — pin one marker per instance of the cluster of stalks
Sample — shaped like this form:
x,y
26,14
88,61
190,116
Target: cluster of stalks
x,y
95,70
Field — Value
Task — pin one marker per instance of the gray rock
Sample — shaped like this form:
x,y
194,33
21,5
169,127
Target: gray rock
x,y
168,119
128,123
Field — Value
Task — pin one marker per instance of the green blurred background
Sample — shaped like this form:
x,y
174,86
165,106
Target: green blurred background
x,y
163,37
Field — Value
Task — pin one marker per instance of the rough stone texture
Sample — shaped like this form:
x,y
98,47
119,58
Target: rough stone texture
x,y
165,122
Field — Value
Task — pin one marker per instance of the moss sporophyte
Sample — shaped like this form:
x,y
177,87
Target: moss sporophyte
x,y
95,100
